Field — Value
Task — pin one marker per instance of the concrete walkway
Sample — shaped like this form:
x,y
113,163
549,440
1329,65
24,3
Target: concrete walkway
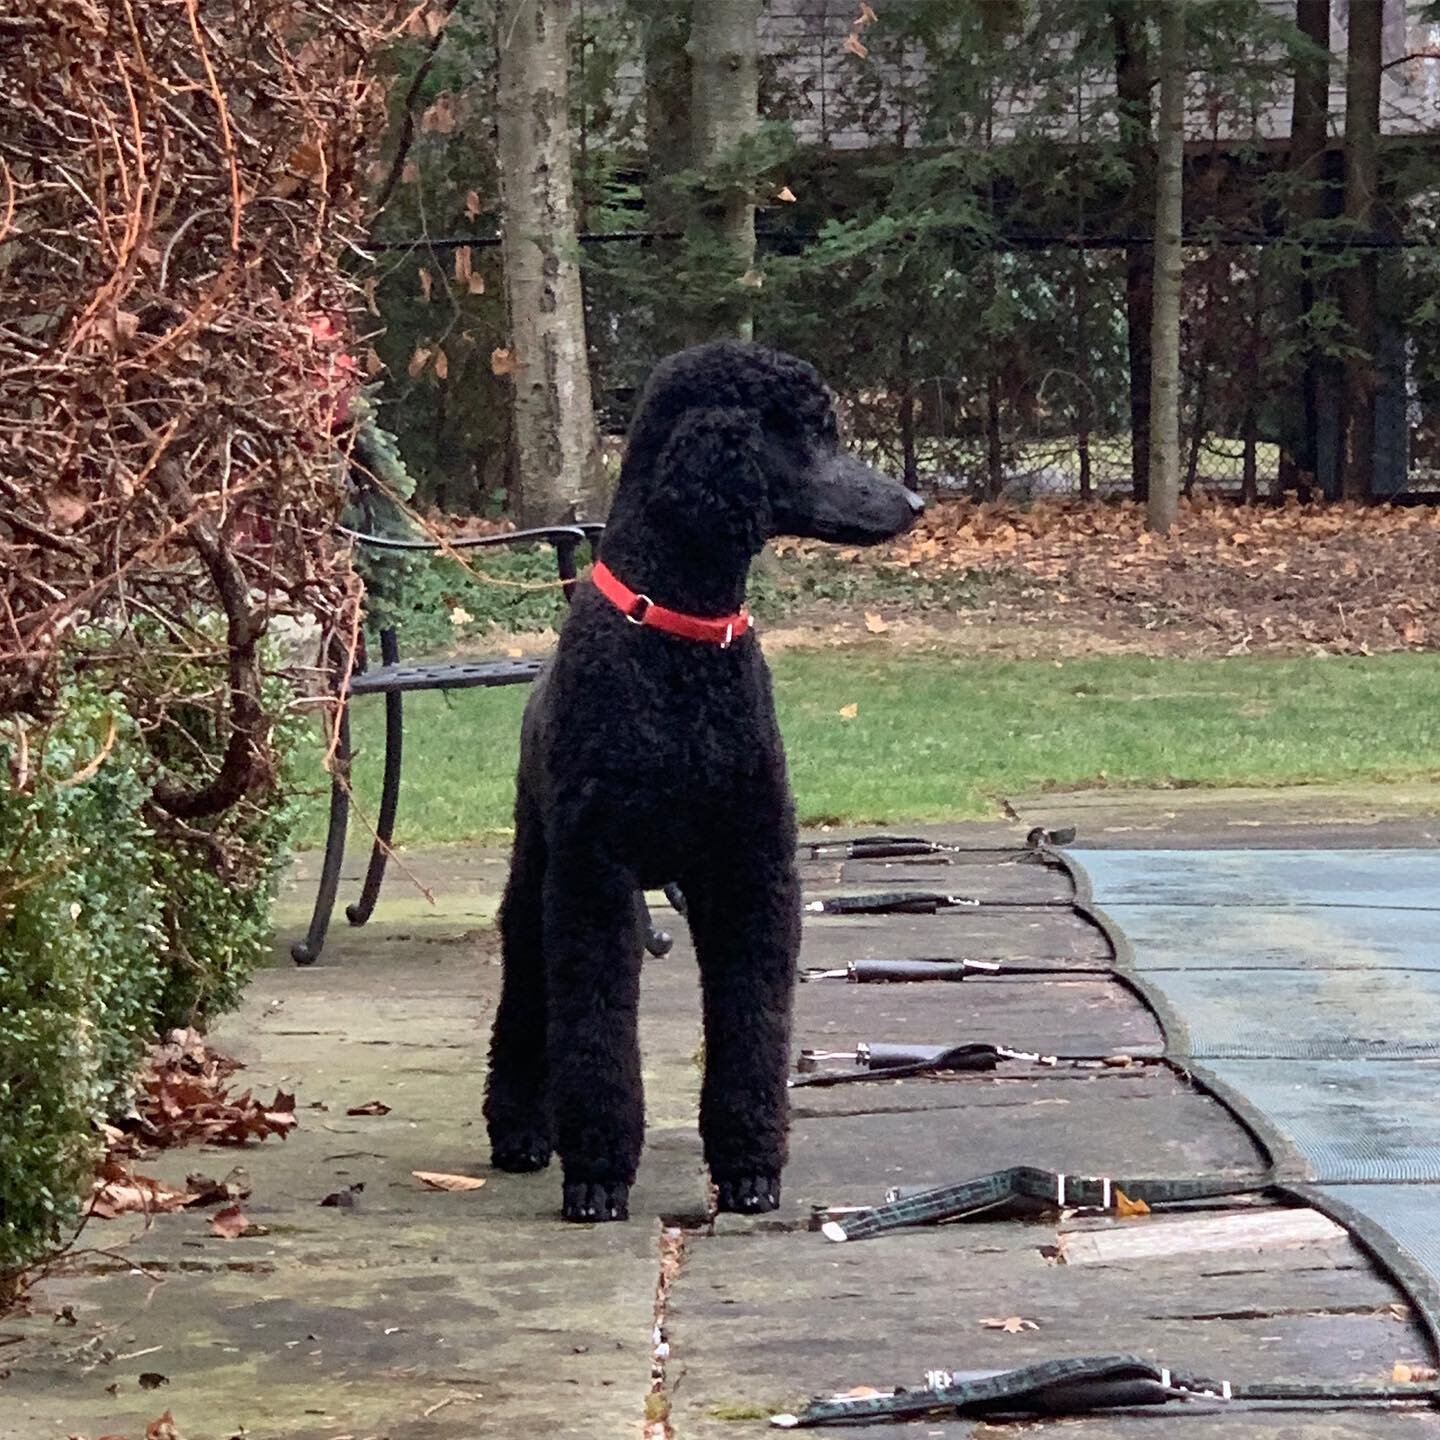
x,y
416,1315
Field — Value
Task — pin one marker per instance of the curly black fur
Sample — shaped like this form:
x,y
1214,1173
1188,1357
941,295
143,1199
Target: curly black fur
x,y
647,759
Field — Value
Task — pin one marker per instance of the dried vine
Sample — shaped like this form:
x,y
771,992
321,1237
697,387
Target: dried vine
x,y
179,180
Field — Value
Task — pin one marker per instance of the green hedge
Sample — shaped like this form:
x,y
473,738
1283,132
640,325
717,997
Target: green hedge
x,y
108,934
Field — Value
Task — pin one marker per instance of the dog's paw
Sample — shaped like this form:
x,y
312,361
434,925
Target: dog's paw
x,y
590,1201
748,1194
521,1153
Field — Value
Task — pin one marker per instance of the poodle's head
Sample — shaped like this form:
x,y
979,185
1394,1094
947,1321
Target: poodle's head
x,y
734,441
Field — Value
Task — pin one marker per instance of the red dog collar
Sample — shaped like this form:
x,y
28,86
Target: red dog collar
x,y
642,610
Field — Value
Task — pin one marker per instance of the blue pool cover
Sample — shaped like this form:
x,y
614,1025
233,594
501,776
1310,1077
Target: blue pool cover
x,y
1303,988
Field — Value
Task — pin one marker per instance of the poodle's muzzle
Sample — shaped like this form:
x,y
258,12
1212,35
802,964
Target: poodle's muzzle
x,y
843,500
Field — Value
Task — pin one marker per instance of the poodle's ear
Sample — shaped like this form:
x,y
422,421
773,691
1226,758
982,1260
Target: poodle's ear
x,y
710,477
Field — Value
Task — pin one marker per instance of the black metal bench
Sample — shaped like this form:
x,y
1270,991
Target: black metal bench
x,y
393,679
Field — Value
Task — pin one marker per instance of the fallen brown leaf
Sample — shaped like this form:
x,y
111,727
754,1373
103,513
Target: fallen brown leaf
x,y
229,1223
875,623
849,712
119,1191
370,1107
1010,1324
1125,1206
162,1428
437,1180
206,1191
1406,1373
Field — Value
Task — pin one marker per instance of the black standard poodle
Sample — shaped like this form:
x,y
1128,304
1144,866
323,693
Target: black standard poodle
x,y
650,754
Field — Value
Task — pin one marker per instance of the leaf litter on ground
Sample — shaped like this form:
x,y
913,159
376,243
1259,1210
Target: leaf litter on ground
x,y
1341,578
184,1098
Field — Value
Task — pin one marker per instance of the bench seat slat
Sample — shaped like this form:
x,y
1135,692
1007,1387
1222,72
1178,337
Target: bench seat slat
x,y
444,675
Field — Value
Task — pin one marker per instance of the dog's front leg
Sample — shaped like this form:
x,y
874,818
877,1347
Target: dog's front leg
x,y
592,955
745,920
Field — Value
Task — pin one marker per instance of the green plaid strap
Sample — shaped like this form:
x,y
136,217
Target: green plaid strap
x,y
1028,1183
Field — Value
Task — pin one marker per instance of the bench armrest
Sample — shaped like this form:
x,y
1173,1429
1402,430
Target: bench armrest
x,y
566,539
556,535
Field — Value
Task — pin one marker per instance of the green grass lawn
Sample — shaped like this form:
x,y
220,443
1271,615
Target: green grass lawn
x,y
935,738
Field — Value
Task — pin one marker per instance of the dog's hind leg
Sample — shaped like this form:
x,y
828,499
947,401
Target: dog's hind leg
x,y
592,953
516,1103
745,920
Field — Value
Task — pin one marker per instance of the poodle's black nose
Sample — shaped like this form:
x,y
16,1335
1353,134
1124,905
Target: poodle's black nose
x,y
917,505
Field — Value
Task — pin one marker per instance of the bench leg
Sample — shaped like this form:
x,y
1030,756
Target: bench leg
x,y
307,951
360,912
658,942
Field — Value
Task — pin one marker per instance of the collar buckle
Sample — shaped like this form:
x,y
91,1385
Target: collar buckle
x,y
639,608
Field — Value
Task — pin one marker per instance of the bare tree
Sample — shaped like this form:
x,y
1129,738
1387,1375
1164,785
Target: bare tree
x,y
665,36
1164,494
724,44
1361,292
1132,88
1309,130
560,472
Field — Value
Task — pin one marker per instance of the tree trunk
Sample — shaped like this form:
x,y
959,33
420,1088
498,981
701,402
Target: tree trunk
x,y
724,110
1164,495
1132,86
666,34
560,471
1309,132
909,459
1361,282
994,451
1250,377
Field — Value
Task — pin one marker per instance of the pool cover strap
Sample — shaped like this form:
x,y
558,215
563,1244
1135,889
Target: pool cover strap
x,y
928,1060
1028,1186
890,902
1072,1387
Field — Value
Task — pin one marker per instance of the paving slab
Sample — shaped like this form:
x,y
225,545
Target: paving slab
x,y
1055,1015
763,1321
1018,876
920,1133
1052,934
